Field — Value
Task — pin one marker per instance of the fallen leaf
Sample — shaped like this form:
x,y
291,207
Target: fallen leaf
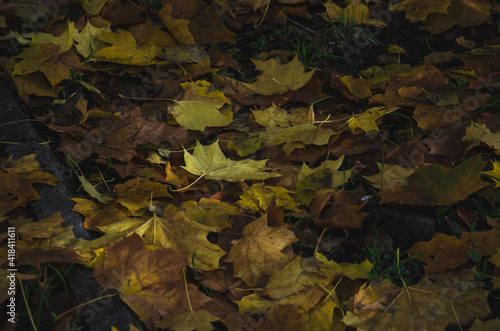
x,y
195,112
441,253
355,12
485,242
359,87
367,120
325,315
47,59
178,27
210,162
87,40
277,78
463,13
259,252
93,192
46,228
418,10
17,177
178,228
424,306
64,41
320,180
390,176
280,315
137,193
478,133
259,196
333,269
284,283
254,304
435,185
494,174
340,214
489,325
150,283
124,50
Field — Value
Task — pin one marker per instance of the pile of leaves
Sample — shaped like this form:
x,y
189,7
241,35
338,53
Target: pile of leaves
x,y
230,155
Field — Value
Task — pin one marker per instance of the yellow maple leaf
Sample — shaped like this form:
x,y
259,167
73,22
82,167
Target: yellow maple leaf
x,y
47,59
284,283
93,7
325,316
65,40
198,114
125,50
390,176
135,194
206,89
259,196
277,78
88,39
295,129
254,304
359,87
478,133
196,111
178,27
354,12
210,162
258,253
320,180
366,121
332,269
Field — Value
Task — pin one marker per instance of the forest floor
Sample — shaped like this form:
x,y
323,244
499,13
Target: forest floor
x,y
255,165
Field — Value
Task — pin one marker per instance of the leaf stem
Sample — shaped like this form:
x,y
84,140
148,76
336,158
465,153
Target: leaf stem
x,y
185,188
